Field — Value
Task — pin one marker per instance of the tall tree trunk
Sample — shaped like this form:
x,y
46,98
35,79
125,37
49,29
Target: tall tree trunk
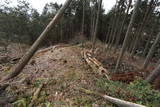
x,y
93,22
18,68
145,20
151,52
122,26
153,76
158,62
146,47
149,39
61,32
83,17
130,46
112,25
127,34
119,16
96,27
83,24
115,27
107,37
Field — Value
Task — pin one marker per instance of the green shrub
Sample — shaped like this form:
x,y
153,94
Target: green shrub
x,y
137,91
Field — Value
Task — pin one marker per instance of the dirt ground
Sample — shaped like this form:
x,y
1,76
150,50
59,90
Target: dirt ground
x,y
63,71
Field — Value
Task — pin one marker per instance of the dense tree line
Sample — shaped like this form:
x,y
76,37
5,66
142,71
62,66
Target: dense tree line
x,y
23,23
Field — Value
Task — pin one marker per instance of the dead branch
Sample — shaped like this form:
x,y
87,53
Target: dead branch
x,y
4,85
36,95
119,102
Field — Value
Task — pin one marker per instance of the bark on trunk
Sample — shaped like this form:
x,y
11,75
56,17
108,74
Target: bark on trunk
x,y
151,52
18,68
118,22
93,17
146,47
83,17
153,76
145,20
96,27
112,26
123,23
127,34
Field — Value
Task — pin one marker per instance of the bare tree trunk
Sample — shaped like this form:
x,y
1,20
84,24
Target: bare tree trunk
x,y
153,76
115,28
145,20
146,47
151,52
119,16
158,63
61,32
112,26
107,38
83,17
96,27
150,38
91,24
93,17
18,68
127,34
122,26
131,43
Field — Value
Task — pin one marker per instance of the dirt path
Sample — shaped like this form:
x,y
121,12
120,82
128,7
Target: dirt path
x,y
64,69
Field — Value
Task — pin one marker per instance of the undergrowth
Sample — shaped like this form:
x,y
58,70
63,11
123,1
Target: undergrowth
x,y
137,91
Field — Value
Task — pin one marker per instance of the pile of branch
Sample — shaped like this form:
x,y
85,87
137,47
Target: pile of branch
x,y
94,63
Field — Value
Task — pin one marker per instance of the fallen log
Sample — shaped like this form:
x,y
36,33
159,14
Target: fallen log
x,y
119,102
94,64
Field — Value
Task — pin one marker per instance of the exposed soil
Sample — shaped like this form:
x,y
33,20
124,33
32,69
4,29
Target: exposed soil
x,y
63,71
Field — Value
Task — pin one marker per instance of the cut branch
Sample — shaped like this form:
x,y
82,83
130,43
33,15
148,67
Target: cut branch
x,y
36,95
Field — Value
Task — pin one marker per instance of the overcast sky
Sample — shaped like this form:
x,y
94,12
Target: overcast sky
x,y
39,4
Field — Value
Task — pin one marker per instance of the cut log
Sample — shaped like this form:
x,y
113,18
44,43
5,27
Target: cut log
x,y
95,64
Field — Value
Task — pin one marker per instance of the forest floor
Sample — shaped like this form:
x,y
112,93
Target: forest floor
x,y
60,71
